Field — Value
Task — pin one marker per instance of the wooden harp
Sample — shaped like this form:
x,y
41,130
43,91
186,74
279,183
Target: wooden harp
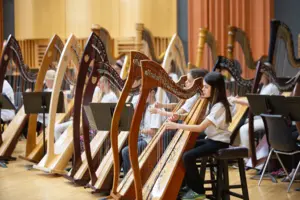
x,y
12,51
51,55
205,37
59,152
89,162
152,76
145,35
105,37
166,178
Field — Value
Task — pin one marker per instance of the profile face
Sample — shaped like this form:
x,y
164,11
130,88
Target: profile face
x,y
206,90
189,81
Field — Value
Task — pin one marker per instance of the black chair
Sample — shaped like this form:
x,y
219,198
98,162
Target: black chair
x,y
218,164
281,141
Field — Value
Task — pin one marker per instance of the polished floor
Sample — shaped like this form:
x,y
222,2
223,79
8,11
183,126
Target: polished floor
x,y
16,182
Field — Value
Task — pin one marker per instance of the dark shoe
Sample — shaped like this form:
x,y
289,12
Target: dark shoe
x,y
191,195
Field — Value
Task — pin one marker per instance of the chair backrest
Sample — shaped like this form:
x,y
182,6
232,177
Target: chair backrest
x,y
279,133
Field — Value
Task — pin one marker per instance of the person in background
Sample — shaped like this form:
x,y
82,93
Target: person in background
x,y
268,88
7,115
148,128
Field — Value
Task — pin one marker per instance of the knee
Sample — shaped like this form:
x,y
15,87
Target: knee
x,y
188,158
244,130
125,153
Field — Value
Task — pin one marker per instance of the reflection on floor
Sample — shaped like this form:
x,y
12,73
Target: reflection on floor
x,y
16,182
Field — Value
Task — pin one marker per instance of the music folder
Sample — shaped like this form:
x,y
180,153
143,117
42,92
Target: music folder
x,y
100,116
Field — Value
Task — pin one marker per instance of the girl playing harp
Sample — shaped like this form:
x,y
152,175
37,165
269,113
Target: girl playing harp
x,y
184,110
215,126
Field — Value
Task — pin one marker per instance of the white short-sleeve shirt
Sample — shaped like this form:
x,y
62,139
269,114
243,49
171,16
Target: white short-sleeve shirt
x,y
8,115
110,97
150,121
188,105
219,130
270,89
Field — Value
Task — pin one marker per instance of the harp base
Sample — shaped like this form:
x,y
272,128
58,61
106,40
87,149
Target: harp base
x,y
80,182
50,171
7,158
28,159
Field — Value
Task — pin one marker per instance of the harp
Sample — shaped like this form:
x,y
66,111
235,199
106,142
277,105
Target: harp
x,y
174,53
153,76
9,138
107,41
88,161
145,43
243,56
206,37
51,56
59,153
101,177
166,178
281,66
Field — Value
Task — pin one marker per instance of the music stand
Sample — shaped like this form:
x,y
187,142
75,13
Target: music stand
x,y
277,105
39,102
5,103
100,116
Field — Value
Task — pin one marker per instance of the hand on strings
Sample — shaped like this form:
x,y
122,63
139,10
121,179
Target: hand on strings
x,y
158,105
153,110
171,125
174,117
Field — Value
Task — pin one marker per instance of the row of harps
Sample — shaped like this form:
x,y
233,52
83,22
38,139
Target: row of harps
x,y
154,174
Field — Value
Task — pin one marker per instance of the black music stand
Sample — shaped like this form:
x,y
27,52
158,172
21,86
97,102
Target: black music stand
x,y
277,105
39,102
5,103
100,116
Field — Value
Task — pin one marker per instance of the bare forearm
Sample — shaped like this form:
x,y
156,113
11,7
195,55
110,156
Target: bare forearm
x,y
165,113
242,102
192,128
169,105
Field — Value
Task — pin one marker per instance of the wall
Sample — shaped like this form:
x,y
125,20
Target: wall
x,y
38,19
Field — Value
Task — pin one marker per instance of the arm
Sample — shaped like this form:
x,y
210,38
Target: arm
x,y
165,105
193,128
239,101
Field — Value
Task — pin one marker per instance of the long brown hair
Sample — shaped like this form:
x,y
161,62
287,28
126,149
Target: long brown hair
x,y
218,92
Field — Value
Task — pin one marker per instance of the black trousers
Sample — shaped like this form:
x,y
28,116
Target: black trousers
x,y
25,129
203,148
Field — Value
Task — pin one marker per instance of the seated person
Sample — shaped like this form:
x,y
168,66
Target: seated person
x,y
7,115
103,94
149,126
215,125
268,88
184,110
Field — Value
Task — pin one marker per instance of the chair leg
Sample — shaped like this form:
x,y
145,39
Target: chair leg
x,y
226,181
243,179
265,167
293,177
219,179
212,178
282,165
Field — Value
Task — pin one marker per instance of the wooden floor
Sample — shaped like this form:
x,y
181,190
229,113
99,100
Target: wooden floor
x,y
16,182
